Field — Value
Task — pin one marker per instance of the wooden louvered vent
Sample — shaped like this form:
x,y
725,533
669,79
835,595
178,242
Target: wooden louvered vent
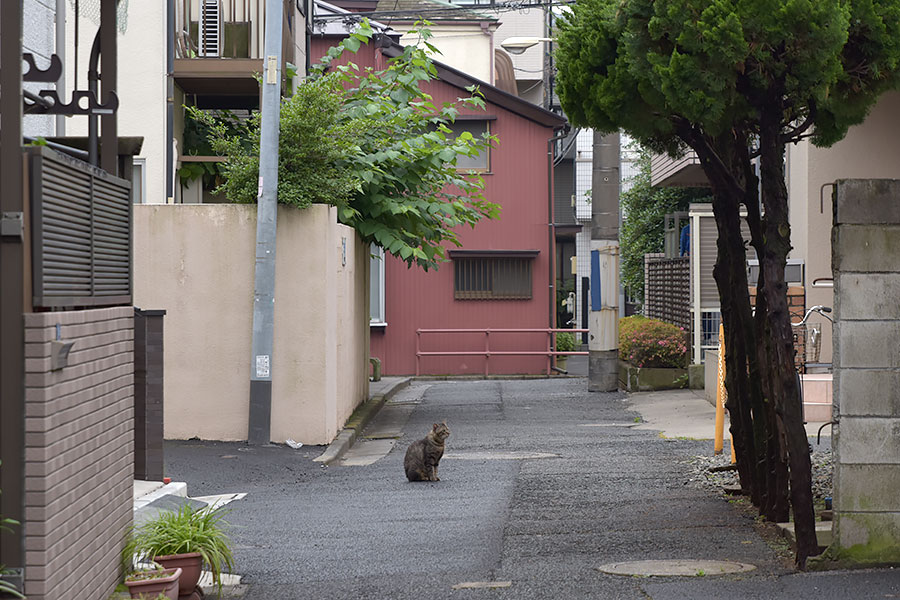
x,y
81,233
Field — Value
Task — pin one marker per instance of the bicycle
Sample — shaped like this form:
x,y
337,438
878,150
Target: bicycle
x,y
812,340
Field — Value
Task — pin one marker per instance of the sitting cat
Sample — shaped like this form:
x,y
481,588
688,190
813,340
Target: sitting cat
x,y
423,456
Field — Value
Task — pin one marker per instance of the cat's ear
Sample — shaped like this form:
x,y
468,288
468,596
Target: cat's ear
x,y
434,426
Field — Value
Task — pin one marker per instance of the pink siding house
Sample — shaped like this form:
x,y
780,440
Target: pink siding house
x,y
502,277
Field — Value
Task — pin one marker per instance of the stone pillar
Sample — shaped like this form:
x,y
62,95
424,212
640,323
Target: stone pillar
x,y
866,263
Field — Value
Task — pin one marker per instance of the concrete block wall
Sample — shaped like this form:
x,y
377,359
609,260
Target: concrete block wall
x,y
866,262
79,460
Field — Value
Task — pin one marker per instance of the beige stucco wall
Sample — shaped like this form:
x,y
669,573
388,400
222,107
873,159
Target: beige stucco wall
x,y
465,47
870,150
197,263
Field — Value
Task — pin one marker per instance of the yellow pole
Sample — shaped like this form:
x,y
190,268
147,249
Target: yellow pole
x,y
719,439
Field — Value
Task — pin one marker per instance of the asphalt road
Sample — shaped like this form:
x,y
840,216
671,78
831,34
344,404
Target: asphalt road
x,y
543,483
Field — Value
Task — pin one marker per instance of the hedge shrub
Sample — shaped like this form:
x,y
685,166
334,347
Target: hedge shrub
x,y
647,342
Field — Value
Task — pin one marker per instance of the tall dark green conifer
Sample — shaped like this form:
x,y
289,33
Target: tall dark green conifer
x,y
733,80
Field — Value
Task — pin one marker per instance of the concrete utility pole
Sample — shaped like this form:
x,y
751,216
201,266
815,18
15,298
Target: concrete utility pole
x,y
603,343
260,422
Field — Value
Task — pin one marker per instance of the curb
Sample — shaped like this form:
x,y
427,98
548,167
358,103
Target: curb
x,y
361,417
174,488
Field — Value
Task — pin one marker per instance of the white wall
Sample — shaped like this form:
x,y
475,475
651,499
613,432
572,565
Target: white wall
x,y
870,150
465,47
39,38
528,22
141,84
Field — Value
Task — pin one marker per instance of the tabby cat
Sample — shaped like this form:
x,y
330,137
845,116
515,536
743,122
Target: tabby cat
x,y
423,456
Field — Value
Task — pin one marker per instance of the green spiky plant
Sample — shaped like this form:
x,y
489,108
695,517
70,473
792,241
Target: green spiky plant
x,y
180,532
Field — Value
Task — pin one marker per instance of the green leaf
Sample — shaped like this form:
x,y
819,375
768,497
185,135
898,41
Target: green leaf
x,y
351,43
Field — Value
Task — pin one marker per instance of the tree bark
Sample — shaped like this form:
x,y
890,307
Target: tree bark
x,y
782,375
772,459
730,182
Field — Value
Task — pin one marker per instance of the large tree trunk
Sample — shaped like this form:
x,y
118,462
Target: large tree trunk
x,y
723,160
783,381
763,398
772,459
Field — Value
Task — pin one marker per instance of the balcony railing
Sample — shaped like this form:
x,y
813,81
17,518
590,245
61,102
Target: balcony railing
x,y
229,29
685,171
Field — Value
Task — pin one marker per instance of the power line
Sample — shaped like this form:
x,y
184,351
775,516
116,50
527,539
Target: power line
x,y
441,11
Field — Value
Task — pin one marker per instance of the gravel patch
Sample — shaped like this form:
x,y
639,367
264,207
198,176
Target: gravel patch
x,y
700,475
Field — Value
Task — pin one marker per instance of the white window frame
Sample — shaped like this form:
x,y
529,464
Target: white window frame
x,y
376,286
484,156
141,181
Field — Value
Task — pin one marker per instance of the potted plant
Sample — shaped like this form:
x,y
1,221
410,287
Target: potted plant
x,y
189,539
652,354
565,342
154,583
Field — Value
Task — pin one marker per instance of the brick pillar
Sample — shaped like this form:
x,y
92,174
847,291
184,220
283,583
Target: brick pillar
x,y
866,263
148,394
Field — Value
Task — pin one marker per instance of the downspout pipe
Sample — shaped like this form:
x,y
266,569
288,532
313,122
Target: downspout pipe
x,y
551,226
170,101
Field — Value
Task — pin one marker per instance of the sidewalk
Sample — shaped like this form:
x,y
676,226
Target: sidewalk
x,y
687,414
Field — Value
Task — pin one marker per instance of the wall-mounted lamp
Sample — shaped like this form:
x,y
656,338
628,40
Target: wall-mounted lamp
x,y
518,45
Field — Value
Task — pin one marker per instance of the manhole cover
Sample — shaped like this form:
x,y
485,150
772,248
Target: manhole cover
x,y
675,568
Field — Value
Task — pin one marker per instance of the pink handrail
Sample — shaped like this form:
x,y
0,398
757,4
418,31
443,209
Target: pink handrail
x,y
487,352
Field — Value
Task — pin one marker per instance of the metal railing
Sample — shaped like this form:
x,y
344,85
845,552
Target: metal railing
x,y
486,352
227,29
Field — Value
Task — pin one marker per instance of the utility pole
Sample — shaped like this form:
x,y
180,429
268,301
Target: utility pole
x,y
603,342
260,421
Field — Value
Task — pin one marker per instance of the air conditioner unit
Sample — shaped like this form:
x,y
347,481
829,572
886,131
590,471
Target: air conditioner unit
x,y
211,29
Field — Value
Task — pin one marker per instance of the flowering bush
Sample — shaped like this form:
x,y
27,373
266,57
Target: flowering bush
x,y
647,342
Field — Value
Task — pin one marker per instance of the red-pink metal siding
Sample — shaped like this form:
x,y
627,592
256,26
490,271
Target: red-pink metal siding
x,y
414,299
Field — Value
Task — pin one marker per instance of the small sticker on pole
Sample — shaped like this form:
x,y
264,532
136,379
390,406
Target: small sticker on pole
x,y
262,365
271,69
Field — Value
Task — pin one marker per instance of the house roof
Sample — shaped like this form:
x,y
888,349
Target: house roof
x,y
340,27
433,10
491,93
329,19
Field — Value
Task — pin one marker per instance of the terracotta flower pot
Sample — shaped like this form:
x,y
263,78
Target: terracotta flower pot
x,y
155,583
190,564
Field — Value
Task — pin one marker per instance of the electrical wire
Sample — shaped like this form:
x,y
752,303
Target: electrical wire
x,y
447,11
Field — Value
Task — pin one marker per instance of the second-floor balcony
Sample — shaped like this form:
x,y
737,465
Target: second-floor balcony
x,y
679,172
219,44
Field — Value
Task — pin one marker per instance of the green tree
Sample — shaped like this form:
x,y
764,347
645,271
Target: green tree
x,y
735,79
374,144
645,208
